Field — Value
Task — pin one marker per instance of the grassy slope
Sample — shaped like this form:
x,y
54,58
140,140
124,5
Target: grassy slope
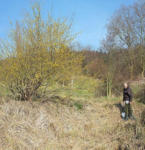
x,y
59,125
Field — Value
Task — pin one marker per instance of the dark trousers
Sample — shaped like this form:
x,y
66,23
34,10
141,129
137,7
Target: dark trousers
x,y
128,110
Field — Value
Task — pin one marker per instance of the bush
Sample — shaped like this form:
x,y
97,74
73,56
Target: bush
x,y
139,93
34,54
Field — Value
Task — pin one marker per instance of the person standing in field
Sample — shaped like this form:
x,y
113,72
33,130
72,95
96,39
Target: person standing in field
x,y
127,100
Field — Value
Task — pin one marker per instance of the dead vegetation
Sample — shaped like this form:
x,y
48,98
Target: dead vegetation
x,y
57,126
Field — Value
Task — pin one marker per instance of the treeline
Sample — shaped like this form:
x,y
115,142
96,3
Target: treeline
x,y
121,56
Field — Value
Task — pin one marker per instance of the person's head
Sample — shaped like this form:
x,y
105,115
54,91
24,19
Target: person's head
x,y
125,85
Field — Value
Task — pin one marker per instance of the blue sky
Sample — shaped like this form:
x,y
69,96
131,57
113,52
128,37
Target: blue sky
x,y
89,16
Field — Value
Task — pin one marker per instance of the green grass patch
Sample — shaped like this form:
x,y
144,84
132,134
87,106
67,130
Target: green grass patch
x,y
78,105
3,91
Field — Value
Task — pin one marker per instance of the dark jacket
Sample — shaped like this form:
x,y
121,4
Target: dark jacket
x,y
127,94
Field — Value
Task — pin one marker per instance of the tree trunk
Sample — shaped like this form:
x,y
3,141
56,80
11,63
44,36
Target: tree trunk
x,y
109,87
72,83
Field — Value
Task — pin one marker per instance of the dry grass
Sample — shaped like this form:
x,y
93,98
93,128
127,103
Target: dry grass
x,y
55,126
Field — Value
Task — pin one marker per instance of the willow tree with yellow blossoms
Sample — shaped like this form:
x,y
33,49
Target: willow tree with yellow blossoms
x,y
38,51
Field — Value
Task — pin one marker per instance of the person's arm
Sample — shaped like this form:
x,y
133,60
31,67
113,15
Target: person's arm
x,y
130,94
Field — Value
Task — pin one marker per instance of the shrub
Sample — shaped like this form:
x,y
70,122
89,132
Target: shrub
x,y
34,53
139,93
